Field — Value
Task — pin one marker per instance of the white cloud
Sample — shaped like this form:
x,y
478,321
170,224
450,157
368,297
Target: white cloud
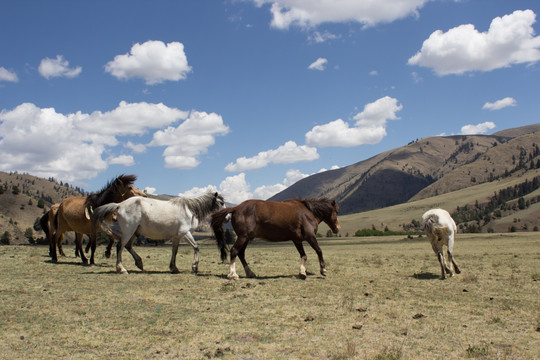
x,y
307,14
319,64
6,75
197,191
370,126
152,61
126,160
58,67
510,40
319,37
235,189
136,148
131,118
190,139
47,143
477,129
373,73
416,77
288,153
150,190
500,104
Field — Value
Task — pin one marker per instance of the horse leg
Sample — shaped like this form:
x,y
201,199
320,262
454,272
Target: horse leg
x,y
136,257
77,251
242,257
450,251
192,242
239,243
172,264
303,259
315,245
109,247
52,246
119,247
93,244
59,244
78,246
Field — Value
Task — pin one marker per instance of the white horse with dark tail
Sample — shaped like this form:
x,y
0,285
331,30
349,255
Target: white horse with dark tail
x,y
440,228
156,219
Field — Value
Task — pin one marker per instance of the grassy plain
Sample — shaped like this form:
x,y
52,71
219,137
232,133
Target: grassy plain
x,y
381,300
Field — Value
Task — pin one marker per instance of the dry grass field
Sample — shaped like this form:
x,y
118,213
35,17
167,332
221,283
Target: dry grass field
x,y
382,299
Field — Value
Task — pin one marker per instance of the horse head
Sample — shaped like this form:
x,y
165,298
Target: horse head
x,y
325,210
116,191
123,188
218,202
332,220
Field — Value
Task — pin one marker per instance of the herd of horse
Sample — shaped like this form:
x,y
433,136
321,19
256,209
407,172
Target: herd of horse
x,y
123,212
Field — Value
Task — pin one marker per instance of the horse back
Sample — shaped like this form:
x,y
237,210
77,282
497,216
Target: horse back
x,y
71,217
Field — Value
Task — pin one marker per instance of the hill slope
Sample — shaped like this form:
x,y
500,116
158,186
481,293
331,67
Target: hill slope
x,y
24,198
421,169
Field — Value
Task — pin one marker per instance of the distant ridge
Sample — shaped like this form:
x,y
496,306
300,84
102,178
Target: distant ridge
x,y
423,168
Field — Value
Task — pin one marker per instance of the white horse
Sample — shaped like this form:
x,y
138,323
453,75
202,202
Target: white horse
x,y
440,229
157,220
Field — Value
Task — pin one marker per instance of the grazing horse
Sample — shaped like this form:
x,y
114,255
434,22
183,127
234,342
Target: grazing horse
x,y
295,220
440,228
72,215
157,220
47,225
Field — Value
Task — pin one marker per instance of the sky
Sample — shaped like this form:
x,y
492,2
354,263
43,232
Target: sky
x,y
246,97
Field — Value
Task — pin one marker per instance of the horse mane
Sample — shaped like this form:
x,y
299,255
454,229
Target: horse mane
x,y
200,206
321,208
105,195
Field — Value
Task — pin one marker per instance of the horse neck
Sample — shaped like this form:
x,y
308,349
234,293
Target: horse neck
x,y
318,208
198,206
105,197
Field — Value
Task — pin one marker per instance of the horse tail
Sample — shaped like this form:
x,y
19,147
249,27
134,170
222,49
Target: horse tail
x,y
44,223
102,217
218,218
434,227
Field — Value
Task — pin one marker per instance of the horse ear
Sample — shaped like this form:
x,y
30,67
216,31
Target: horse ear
x,y
216,194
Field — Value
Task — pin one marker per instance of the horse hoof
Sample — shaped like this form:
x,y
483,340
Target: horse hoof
x,y
323,272
175,271
232,276
108,254
195,269
302,276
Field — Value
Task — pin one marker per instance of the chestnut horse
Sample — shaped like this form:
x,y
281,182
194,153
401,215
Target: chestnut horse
x,y
73,213
295,220
47,225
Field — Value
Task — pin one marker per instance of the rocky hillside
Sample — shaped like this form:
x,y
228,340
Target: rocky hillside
x,y
423,168
24,199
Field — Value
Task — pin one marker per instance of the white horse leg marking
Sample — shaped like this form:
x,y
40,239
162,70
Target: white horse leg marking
x,y
303,273
192,242
232,271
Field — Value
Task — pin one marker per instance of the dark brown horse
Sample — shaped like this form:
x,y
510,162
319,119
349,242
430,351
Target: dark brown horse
x,y
74,212
295,220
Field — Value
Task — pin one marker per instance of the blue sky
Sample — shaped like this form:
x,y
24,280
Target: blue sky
x,y
248,96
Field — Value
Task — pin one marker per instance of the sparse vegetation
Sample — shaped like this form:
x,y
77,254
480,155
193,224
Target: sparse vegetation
x,y
381,299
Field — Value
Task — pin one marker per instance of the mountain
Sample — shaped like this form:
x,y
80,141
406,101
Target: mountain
x,y
423,168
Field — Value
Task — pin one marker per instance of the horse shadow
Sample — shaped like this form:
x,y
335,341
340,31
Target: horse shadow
x,y
425,276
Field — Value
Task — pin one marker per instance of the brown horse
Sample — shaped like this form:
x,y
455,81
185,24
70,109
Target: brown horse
x,y
295,220
47,225
73,213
